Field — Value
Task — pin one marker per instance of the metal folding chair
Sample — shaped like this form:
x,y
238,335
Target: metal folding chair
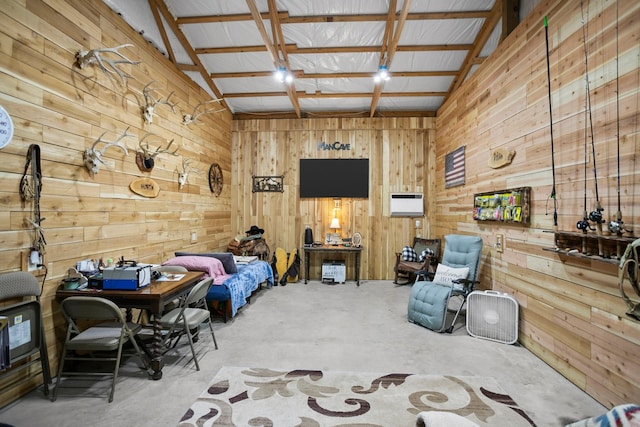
x,y
107,333
186,319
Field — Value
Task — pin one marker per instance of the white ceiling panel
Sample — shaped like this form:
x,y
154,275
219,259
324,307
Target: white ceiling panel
x,y
410,103
356,105
334,34
441,32
220,34
330,46
448,60
332,7
232,62
334,62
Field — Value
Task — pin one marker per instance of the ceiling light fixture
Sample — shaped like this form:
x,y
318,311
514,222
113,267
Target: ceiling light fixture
x,y
382,75
282,75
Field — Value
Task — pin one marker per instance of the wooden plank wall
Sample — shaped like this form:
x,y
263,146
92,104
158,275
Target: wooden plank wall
x,y
63,110
401,157
572,315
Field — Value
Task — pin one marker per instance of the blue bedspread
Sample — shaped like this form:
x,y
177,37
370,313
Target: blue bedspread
x,y
243,283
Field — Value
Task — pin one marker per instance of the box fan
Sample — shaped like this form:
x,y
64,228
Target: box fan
x,y
492,315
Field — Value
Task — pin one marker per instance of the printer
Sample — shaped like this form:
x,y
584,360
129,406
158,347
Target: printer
x,y
128,277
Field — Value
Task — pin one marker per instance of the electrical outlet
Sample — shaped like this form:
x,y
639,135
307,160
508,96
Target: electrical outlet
x,y
33,263
500,242
194,237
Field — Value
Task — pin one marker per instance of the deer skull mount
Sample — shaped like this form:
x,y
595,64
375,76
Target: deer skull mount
x,y
93,157
191,118
145,158
151,102
187,168
94,56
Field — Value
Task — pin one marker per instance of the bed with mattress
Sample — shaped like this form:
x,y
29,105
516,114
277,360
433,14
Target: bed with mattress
x,y
233,283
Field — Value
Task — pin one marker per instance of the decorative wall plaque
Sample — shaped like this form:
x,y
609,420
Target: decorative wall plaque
x,y
501,157
273,184
145,187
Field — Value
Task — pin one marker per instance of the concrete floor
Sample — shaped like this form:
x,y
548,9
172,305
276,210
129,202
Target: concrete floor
x,y
315,326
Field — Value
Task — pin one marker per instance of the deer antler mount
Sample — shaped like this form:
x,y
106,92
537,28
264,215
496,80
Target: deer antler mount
x,y
151,102
93,157
145,158
191,118
94,56
187,168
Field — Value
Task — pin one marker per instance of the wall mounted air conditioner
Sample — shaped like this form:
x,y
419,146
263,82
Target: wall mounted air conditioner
x,y
407,204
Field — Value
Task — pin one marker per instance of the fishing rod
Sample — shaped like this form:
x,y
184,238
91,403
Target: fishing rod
x,y
617,226
595,215
553,163
584,224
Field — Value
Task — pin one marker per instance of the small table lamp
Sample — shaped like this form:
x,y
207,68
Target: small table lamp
x,y
335,226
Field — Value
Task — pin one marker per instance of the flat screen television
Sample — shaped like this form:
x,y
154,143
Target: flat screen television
x,y
334,178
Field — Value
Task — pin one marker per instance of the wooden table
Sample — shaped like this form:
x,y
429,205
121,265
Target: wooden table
x,y
151,298
331,249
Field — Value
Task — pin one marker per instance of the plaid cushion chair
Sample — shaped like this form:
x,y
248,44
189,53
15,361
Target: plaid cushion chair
x,y
409,263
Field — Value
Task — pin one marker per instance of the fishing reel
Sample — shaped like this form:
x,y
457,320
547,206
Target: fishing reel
x,y
596,216
616,227
584,225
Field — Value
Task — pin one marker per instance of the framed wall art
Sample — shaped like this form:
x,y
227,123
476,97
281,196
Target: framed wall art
x,y
454,168
268,184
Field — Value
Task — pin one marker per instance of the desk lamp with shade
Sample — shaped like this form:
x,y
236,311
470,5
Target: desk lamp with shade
x,y
335,225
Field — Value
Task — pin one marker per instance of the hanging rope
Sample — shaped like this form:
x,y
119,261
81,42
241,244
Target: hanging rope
x,y
30,190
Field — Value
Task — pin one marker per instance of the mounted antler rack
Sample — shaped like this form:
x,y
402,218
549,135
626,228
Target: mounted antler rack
x,y
191,118
94,56
187,168
151,102
93,157
145,158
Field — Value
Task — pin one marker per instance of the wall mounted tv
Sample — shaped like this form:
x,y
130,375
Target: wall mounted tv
x,y
334,178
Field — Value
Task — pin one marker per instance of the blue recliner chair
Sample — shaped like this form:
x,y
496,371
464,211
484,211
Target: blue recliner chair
x,y
456,276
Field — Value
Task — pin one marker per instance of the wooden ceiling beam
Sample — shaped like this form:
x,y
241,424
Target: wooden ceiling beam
x,y
478,44
234,49
368,49
164,10
370,75
302,75
257,18
320,95
292,49
388,55
477,14
163,33
285,18
334,114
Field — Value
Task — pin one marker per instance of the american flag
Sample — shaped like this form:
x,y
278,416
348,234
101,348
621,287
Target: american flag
x,y
454,168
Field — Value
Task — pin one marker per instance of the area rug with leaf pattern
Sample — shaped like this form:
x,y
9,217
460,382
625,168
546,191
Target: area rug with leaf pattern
x,y
308,398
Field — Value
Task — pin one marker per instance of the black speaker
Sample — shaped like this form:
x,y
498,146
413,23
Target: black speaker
x,y
308,236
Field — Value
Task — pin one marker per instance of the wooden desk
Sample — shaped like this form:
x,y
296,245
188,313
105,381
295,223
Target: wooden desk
x,y
330,249
151,298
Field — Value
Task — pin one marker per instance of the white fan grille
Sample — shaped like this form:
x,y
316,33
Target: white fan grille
x,y
492,315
